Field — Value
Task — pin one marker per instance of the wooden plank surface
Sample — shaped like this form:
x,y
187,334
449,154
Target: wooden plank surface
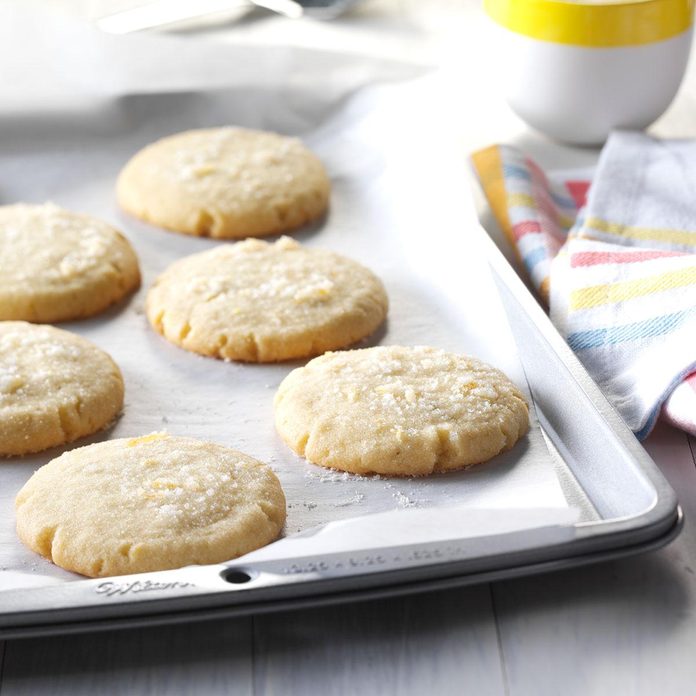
x,y
434,643
419,645
203,658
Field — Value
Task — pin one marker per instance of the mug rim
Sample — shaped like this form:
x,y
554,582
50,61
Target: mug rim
x,y
616,23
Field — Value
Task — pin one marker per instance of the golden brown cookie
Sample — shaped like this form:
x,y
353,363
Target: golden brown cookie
x,y
149,503
54,387
225,183
57,265
399,411
260,302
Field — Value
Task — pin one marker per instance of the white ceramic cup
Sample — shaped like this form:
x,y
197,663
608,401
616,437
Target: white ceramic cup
x,y
577,70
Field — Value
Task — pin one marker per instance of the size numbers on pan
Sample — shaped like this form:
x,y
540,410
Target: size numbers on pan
x,y
418,557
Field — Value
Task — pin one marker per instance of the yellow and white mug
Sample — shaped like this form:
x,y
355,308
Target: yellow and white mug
x,y
577,70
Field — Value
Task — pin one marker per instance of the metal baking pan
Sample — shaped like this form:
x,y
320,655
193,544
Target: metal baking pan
x,y
578,489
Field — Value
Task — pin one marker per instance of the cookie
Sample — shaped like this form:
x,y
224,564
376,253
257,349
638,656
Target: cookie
x,y
225,183
57,265
399,411
150,503
260,302
54,388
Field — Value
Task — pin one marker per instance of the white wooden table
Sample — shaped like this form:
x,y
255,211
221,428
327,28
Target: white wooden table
x,y
625,627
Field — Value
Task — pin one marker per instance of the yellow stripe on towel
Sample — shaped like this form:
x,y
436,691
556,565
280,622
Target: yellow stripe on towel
x,y
489,168
521,199
597,295
656,234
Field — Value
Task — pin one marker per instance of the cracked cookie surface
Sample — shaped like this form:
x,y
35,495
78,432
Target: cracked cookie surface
x,y
260,302
58,265
225,183
399,411
149,503
55,387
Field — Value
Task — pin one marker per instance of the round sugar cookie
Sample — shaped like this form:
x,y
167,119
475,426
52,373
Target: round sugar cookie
x,y
260,302
149,503
226,183
54,387
399,411
56,265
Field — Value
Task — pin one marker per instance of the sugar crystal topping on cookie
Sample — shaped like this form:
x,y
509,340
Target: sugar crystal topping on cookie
x,y
232,154
36,360
425,383
173,485
60,243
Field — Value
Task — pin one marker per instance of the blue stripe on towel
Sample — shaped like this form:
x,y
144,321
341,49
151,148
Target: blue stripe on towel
x,y
534,256
514,171
657,326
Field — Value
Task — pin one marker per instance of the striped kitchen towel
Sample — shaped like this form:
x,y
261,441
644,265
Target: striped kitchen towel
x,y
616,262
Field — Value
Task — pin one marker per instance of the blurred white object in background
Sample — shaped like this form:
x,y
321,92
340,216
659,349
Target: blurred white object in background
x,y
160,13
577,70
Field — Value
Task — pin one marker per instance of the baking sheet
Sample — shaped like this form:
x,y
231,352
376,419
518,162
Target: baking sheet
x,y
399,206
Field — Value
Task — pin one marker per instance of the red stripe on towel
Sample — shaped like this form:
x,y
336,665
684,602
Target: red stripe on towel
x,y
594,258
526,227
578,190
